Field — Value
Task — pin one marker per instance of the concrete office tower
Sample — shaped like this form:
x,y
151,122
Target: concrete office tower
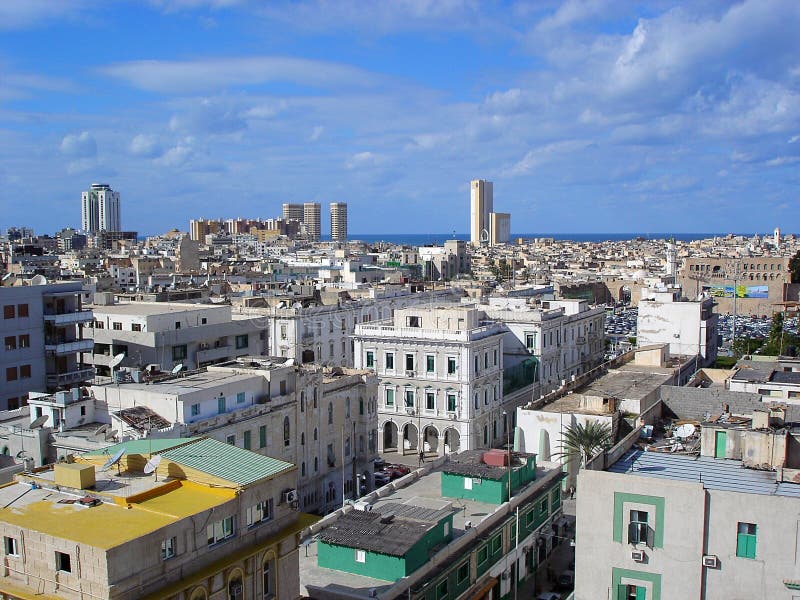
x,y
339,221
481,204
311,219
292,212
499,228
100,209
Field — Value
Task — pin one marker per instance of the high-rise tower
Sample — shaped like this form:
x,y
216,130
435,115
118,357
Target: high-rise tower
x,y
339,221
311,220
292,212
100,209
481,204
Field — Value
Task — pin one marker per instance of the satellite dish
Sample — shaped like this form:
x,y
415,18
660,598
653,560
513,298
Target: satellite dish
x,y
113,460
685,431
110,435
38,280
177,368
38,422
102,429
152,464
116,360
289,363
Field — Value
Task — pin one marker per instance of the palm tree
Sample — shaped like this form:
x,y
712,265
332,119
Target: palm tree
x,y
585,440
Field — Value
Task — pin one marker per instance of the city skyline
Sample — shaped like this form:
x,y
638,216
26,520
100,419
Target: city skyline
x,y
587,116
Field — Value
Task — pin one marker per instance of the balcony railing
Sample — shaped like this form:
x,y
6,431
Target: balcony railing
x,y
70,318
70,377
69,347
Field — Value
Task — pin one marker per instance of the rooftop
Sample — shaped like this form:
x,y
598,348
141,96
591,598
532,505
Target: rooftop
x,y
180,384
147,309
713,473
470,463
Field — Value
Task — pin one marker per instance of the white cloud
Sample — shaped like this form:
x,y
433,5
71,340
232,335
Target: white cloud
x,y
81,145
316,133
147,145
538,156
179,155
22,14
364,159
218,73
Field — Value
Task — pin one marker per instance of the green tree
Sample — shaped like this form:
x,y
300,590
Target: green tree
x,y
794,268
585,441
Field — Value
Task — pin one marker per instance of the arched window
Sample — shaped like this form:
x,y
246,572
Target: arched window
x,y
347,408
268,579
315,434
485,435
315,397
302,401
361,406
286,431
330,413
316,464
303,469
236,586
347,446
199,593
302,438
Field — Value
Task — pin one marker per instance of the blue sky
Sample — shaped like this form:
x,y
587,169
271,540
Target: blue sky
x,y
588,116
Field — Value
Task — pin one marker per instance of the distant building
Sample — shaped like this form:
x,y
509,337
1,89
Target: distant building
x,y
100,210
481,204
339,221
312,220
293,212
499,228
42,336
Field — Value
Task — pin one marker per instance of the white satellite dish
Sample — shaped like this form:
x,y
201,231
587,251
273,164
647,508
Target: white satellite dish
x,y
38,280
38,422
685,431
110,435
116,360
152,464
102,429
177,368
113,460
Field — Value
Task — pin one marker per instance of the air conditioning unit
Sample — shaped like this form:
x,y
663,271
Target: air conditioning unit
x,y
711,561
411,373
637,555
290,496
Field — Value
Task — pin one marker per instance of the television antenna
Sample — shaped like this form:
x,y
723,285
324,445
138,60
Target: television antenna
x,y
114,460
38,422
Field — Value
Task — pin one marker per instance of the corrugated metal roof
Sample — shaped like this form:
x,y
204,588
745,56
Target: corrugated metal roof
x,y
144,446
225,461
713,473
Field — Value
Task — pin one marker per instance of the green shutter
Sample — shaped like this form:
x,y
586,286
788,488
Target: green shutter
x,y
641,593
745,545
622,592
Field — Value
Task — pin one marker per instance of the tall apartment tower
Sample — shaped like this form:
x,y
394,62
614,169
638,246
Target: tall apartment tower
x,y
311,219
292,212
100,209
339,221
481,204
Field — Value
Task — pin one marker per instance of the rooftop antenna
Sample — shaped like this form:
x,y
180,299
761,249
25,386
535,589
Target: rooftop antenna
x,y
114,460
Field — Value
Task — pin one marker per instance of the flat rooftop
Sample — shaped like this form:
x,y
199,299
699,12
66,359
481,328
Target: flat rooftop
x,y
423,493
187,384
713,473
146,309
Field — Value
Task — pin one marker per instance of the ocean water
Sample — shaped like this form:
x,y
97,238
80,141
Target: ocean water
x,y
421,239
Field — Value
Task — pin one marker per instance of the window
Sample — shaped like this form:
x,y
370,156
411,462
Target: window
x,y
136,326
497,544
240,397
11,373
633,592
168,547
467,483
430,363
390,361
25,341
8,311
179,352
451,403
177,324
246,443
242,341
286,431
22,310
11,342
430,401
116,326
262,436
221,405
413,322
231,439
99,325
370,359
441,590
483,555
746,540
220,530
361,556
638,530
409,362
409,398
330,413
267,579
195,409
347,408
25,372
463,573
11,545
63,562
389,397
451,365
485,360
260,513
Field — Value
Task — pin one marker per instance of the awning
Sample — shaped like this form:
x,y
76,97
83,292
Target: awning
x,y
484,589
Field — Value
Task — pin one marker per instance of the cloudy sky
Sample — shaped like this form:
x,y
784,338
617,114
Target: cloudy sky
x,y
588,115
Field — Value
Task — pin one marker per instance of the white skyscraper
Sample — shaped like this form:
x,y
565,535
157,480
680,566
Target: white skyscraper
x,y
100,209
311,220
339,221
481,204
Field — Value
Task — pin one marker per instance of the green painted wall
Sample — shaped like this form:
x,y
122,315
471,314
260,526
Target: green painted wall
x,y
643,576
657,502
377,566
492,491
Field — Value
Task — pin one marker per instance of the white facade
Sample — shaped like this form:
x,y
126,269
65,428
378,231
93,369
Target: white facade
x,y
689,327
481,204
440,376
312,220
339,221
499,228
100,209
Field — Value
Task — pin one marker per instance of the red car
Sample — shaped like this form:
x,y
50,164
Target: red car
x,y
396,471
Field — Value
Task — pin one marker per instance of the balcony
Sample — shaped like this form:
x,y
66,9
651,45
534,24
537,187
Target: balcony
x,y
69,347
214,354
70,377
70,318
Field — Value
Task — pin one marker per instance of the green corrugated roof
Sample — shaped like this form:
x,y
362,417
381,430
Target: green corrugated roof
x,y
227,462
143,446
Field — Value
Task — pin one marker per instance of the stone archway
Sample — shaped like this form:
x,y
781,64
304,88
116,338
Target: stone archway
x,y
430,439
410,437
389,436
452,440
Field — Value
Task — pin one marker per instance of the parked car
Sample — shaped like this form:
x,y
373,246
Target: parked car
x,y
396,471
382,478
566,579
379,463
